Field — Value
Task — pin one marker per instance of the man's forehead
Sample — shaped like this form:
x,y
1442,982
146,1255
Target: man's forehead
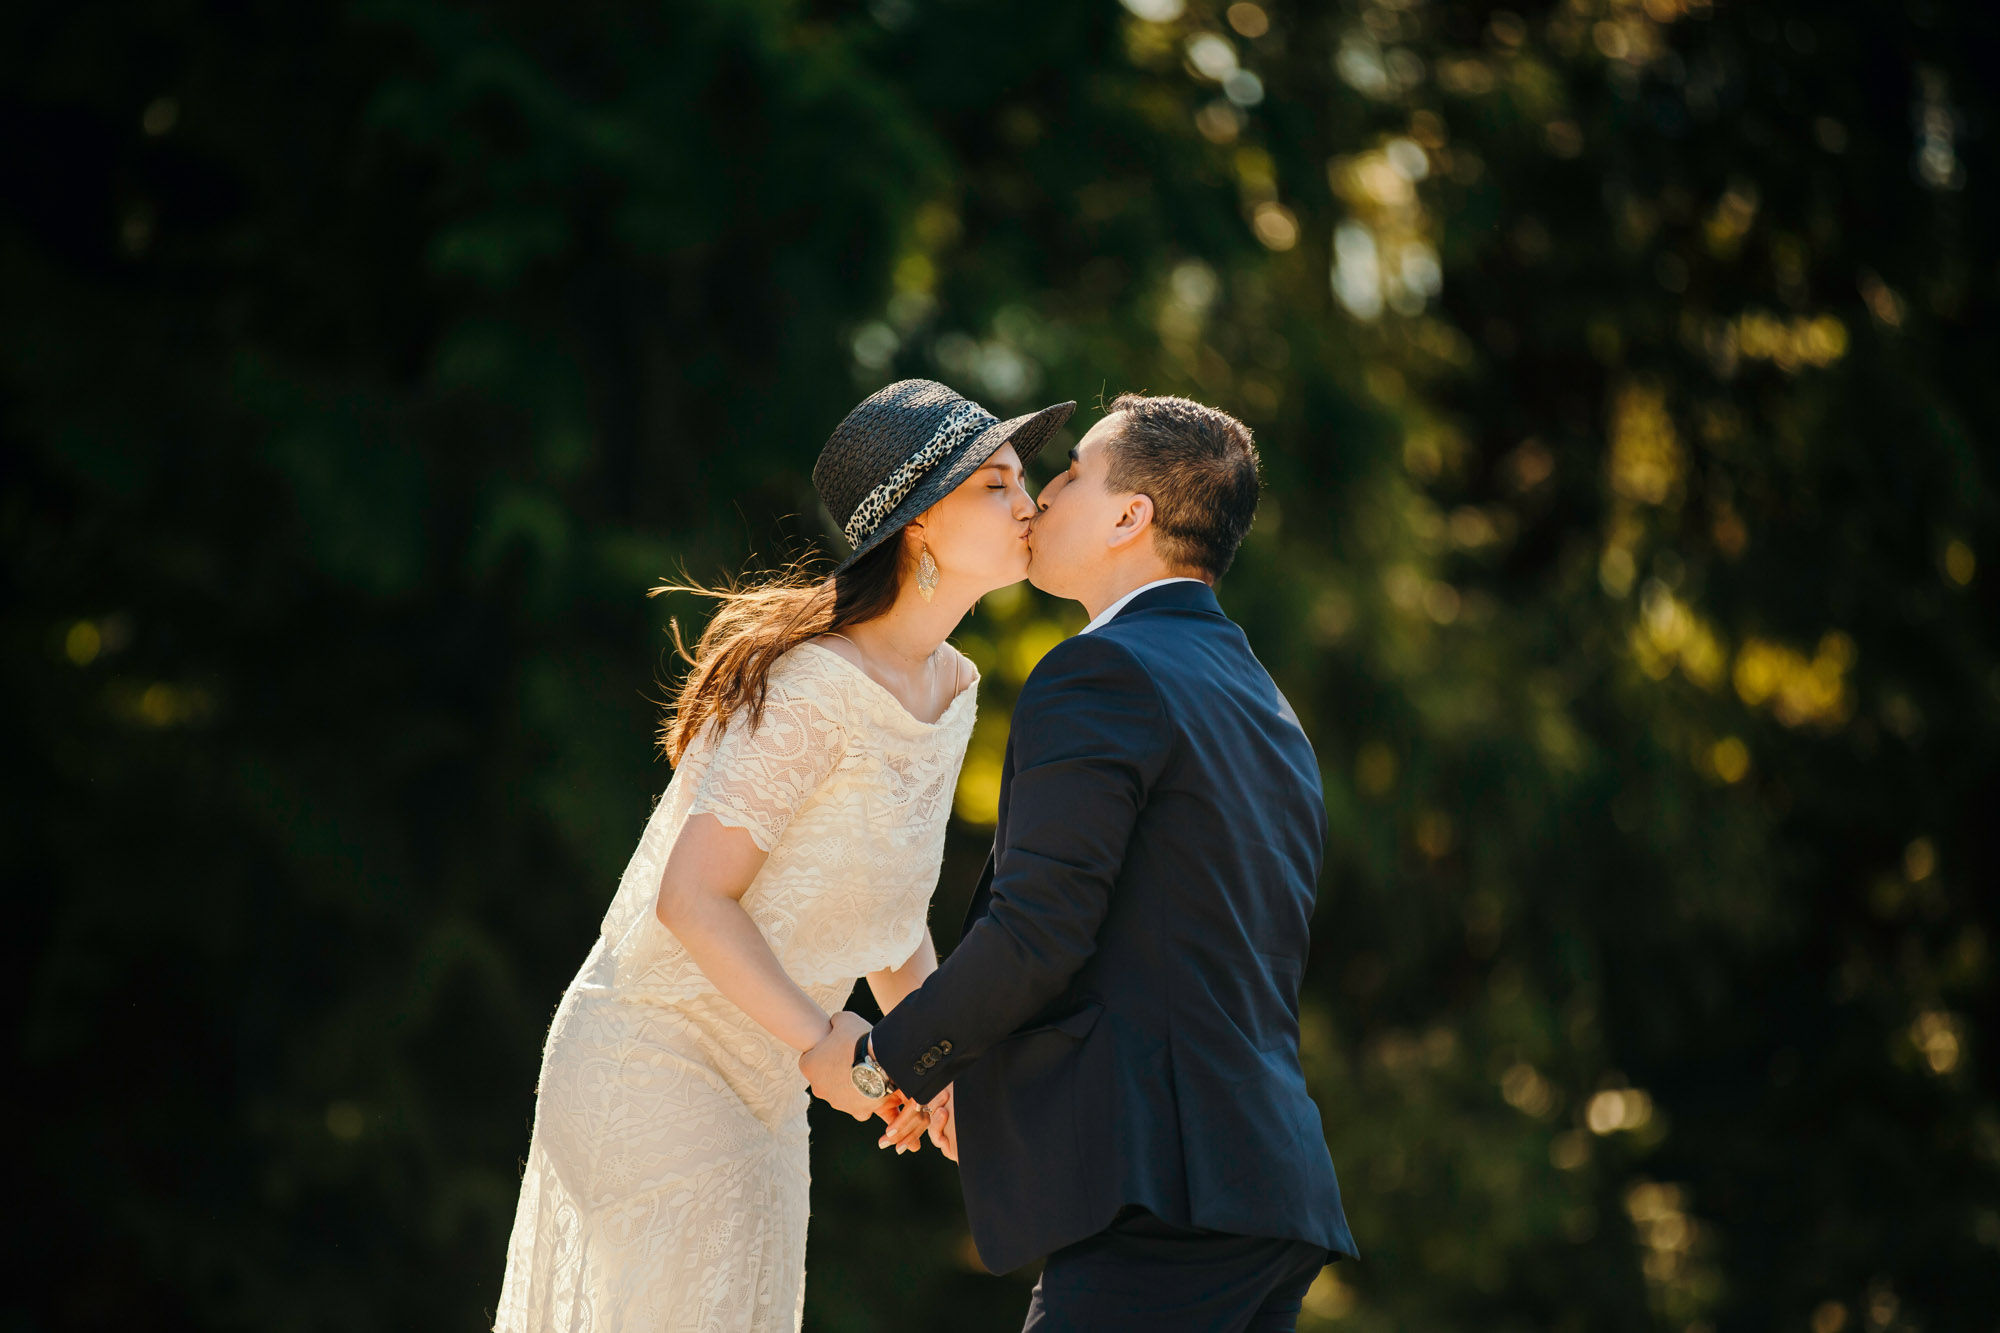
x,y
1093,439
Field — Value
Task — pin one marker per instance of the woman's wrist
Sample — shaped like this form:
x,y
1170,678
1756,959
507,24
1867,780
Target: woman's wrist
x,y
816,1037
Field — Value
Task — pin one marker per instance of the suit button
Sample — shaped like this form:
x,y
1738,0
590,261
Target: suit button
x,y
945,1046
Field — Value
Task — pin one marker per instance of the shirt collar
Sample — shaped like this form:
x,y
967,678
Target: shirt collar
x,y
1104,616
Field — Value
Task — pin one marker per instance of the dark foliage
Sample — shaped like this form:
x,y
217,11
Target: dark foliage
x,y
1628,547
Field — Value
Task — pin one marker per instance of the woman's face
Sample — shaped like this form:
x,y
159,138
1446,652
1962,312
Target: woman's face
x,y
978,534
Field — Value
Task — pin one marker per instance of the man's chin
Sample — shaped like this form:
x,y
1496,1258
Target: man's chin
x,y
1043,573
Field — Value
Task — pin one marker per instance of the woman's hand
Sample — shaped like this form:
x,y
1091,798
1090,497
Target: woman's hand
x,y
907,1122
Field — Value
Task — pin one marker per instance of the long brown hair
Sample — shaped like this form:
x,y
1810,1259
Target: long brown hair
x,y
757,622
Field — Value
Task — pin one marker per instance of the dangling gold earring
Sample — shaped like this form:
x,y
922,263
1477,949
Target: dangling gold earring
x,y
927,574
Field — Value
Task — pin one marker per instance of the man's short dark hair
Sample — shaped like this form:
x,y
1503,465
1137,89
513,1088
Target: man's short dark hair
x,y
1200,468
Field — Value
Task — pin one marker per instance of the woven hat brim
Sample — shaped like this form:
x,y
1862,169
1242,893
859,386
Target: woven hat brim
x,y
1027,433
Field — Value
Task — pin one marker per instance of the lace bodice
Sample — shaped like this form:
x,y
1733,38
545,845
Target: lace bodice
x,y
847,792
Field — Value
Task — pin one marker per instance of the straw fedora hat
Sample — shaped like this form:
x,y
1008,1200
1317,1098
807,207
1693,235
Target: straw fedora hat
x,y
908,446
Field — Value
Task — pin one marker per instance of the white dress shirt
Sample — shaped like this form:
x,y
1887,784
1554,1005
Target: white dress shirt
x,y
1119,605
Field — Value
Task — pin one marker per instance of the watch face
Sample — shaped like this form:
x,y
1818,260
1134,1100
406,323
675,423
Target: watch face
x,y
871,1082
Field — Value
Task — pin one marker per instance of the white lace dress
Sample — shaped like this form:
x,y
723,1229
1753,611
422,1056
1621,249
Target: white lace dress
x,y
666,1182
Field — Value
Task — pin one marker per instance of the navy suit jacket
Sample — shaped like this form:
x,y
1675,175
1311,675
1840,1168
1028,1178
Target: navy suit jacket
x,y
1121,1017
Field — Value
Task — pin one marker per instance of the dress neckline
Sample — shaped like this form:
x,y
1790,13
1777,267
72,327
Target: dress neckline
x,y
888,696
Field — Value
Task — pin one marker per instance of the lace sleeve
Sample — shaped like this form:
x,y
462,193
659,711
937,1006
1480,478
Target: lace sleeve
x,y
757,778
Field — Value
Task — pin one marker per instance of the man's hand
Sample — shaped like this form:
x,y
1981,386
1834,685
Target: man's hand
x,y
828,1067
944,1124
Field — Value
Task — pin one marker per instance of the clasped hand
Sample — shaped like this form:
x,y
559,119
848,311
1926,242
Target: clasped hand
x,y
828,1068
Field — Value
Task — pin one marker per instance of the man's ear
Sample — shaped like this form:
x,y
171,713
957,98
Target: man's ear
x,y
1133,521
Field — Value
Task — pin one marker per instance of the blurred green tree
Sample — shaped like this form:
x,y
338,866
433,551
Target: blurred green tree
x,y
1619,367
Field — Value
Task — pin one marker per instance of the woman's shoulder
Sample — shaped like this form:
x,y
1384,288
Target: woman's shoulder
x,y
805,706
829,668
812,669
964,674
838,645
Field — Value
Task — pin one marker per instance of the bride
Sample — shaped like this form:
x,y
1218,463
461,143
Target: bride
x,y
816,744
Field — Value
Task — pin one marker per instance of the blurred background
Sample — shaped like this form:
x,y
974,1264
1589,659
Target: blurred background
x,y
1624,375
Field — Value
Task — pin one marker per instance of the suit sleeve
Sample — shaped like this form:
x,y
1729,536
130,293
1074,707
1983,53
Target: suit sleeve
x,y
1089,738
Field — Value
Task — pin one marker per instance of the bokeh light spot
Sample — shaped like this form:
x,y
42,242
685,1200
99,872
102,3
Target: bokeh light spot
x,y
83,642
1935,1034
1919,860
1959,563
1375,768
1249,19
1527,1091
1211,56
160,117
1615,1109
1275,226
345,1121
1731,758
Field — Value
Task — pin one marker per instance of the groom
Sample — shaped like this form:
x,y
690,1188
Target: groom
x,y
1121,1018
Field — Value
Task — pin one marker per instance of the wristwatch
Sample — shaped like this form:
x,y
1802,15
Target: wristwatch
x,y
869,1080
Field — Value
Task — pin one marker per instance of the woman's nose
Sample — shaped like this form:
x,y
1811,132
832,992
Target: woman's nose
x,y
1024,504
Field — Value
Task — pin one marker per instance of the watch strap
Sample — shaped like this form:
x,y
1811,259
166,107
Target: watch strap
x,y
862,1057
